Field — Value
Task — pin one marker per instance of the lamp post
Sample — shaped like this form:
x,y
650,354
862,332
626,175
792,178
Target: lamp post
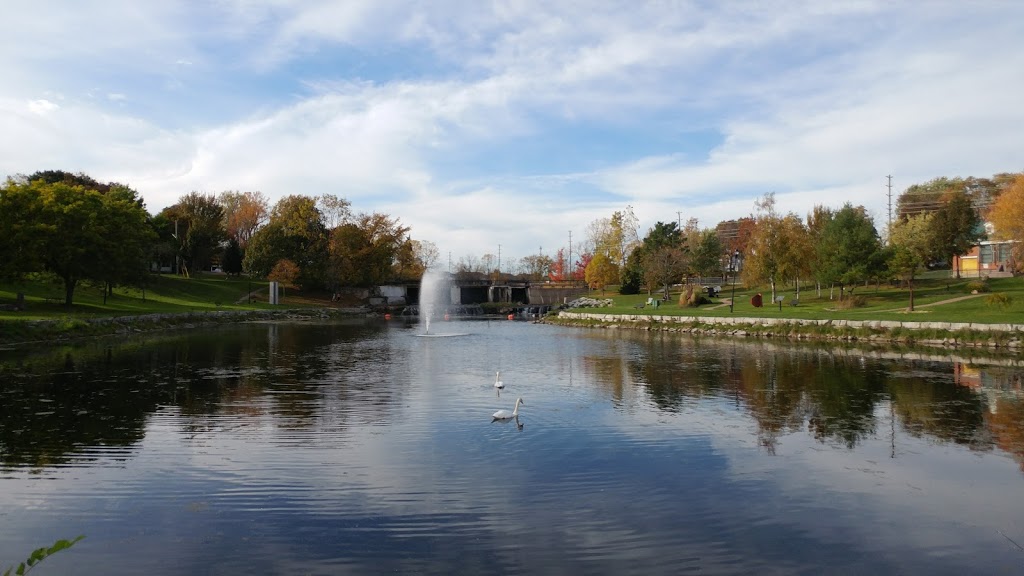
x,y
734,263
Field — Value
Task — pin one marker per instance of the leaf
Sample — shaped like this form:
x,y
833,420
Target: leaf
x,y
21,569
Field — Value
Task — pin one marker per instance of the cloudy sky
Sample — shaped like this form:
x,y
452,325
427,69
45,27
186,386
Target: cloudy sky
x,y
506,125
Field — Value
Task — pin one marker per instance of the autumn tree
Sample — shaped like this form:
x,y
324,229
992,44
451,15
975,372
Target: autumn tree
x,y
1007,218
912,246
244,213
295,231
765,255
559,267
364,251
600,272
285,272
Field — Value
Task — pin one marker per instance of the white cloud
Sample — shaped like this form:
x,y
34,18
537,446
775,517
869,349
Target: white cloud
x,y
815,102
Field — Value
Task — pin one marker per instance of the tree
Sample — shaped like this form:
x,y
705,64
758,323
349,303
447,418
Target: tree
x,y
364,252
1007,217
663,266
127,238
649,265
284,272
559,267
20,229
335,210
537,266
928,197
296,232
849,250
231,261
244,213
706,254
912,247
956,227
764,261
199,228
74,232
600,272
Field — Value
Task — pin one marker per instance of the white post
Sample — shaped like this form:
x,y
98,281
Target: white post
x,y
273,293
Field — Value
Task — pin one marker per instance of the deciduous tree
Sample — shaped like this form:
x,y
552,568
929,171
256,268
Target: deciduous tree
x,y
1007,217
956,227
912,247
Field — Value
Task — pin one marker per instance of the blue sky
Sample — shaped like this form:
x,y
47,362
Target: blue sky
x,y
487,124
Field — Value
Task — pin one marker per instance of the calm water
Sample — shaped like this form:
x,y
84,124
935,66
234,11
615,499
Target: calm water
x,y
360,447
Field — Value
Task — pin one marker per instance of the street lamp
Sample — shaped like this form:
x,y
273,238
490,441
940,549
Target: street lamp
x,y
734,264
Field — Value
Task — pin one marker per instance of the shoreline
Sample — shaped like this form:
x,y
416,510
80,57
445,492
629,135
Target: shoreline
x,y
1007,338
24,332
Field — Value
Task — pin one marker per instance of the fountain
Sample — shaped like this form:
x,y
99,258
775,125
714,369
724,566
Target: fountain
x,y
435,296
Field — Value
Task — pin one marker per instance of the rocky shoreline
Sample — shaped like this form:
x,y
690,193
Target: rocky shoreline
x,y
1008,337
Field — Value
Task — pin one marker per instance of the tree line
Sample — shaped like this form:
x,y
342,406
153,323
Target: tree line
x,y
82,230
835,247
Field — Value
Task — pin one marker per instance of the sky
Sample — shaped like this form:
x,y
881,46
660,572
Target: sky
x,y
507,127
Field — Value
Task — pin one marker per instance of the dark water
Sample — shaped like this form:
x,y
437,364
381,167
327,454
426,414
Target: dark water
x,y
362,448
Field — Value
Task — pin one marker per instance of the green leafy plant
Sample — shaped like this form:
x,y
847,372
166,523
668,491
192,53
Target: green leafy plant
x,y
40,554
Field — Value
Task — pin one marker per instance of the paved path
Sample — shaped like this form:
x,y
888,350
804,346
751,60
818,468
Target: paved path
x,y
939,303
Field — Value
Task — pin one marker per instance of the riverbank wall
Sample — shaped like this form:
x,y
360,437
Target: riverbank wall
x,y
946,334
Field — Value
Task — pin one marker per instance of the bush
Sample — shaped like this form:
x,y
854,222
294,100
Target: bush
x,y
999,300
852,302
978,286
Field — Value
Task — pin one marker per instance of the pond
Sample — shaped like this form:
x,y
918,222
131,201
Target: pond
x,y
360,446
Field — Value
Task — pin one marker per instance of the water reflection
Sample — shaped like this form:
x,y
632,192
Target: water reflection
x,y
327,448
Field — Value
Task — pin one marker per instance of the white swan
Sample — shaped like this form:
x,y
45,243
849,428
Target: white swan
x,y
505,414
497,380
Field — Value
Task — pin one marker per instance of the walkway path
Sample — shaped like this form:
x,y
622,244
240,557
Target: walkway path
x,y
939,303
248,297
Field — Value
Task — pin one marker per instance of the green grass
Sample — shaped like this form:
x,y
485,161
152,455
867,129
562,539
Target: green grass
x,y
166,294
885,303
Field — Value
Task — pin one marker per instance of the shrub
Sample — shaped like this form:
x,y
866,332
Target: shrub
x,y
852,302
978,286
999,300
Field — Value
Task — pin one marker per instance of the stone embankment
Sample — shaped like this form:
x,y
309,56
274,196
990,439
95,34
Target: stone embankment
x,y
955,334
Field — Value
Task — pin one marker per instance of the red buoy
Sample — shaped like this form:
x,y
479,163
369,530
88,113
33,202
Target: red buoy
x,y
511,316
387,316
447,317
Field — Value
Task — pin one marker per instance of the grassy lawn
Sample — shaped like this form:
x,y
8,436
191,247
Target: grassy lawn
x,y
884,303
166,294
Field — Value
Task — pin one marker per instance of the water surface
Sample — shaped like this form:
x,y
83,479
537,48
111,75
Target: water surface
x,y
357,447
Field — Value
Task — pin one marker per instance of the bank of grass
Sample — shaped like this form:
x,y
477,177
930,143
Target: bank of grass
x,y
876,303
167,301
165,294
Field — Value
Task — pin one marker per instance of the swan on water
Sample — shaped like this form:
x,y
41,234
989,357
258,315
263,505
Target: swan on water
x,y
497,380
505,414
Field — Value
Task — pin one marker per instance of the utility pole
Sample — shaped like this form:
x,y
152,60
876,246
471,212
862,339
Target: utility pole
x,y
569,262
889,186
679,219
499,258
